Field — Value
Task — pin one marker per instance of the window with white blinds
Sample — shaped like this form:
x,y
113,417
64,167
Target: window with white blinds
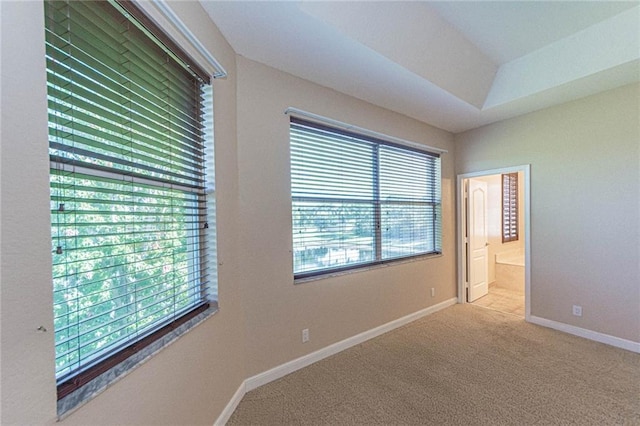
x,y
509,207
127,130
358,200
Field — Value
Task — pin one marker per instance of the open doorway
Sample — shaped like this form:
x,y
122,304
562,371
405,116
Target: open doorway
x,y
493,239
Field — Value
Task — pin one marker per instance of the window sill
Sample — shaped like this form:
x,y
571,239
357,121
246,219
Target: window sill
x,y
81,396
355,270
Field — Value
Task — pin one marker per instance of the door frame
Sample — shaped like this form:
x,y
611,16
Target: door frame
x,y
461,215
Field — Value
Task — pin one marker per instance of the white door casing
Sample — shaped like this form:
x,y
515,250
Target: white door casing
x,y
463,232
478,240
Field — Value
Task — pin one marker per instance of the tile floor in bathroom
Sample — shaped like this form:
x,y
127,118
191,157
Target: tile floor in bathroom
x,y
503,300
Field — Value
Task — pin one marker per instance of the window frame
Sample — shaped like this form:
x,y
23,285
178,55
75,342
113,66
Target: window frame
x,y
376,202
72,389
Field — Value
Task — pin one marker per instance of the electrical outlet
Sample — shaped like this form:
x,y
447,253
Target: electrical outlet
x,y
433,292
305,335
577,310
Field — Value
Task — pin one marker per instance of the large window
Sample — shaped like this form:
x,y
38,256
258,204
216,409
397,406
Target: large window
x,y
358,200
128,207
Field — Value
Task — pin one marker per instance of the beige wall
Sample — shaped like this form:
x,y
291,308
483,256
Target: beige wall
x,y
494,219
189,382
585,200
582,154
261,310
333,308
27,356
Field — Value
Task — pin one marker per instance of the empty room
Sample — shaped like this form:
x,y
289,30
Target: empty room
x,y
329,213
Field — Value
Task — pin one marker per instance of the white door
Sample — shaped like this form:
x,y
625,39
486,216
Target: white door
x,y
478,240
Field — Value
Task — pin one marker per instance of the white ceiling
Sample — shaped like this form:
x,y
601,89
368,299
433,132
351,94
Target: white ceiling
x,y
507,30
456,65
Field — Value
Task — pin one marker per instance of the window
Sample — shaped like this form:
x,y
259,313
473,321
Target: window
x,y
509,207
358,200
128,186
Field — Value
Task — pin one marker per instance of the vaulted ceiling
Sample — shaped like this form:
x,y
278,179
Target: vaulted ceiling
x,y
456,65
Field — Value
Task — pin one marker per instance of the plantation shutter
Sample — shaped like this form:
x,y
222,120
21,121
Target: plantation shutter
x,y
128,207
509,207
359,200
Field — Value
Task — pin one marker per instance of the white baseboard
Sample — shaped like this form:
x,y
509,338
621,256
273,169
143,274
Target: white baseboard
x,y
587,334
306,360
231,405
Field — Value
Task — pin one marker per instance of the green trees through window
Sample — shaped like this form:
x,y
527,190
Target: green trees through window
x,y
123,262
128,207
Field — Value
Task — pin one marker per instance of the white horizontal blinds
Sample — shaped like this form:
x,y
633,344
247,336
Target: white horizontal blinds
x,y
332,192
358,200
509,207
128,108
409,202
209,238
127,183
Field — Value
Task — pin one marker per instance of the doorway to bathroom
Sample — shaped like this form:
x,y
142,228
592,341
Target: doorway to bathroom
x,y
493,239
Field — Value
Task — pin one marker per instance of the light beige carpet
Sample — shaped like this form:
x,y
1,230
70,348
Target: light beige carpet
x,y
464,365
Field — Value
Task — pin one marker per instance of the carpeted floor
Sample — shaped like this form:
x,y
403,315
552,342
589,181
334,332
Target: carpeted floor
x,y
464,365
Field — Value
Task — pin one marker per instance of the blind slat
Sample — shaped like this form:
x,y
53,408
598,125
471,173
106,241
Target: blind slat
x,y
141,132
122,100
78,63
